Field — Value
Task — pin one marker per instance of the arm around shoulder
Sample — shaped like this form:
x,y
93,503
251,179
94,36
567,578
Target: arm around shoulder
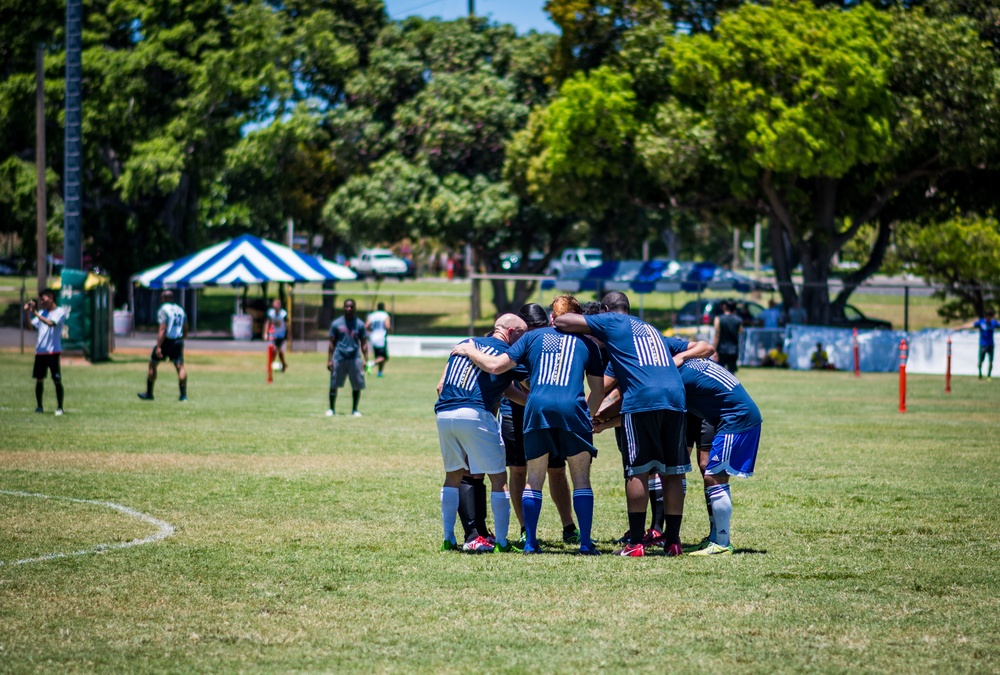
x,y
572,323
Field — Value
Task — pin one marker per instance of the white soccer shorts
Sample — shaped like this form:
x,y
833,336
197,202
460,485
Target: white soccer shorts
x,y
470,439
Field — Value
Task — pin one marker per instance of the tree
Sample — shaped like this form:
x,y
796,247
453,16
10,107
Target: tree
x,y
822,117
279,172
963,255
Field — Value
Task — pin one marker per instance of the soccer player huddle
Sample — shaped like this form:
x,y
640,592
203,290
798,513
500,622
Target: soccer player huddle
x,y
661,395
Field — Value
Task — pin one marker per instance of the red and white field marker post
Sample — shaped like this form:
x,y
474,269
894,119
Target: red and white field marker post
x,y
947,369
270,356
857,355
902,375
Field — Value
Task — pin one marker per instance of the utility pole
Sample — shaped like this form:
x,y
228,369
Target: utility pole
x,y
756,249
41,222
472,9
72,188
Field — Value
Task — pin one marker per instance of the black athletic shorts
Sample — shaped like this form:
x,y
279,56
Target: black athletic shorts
x,y
46,363
558,443
279,342
654,441
171,349
984,351
381,352
699,432
512,430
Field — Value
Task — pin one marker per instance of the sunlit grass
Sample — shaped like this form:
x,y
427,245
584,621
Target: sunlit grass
x,y
868,540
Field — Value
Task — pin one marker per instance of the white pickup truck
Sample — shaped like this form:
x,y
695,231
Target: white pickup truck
x,y
378,262
575,259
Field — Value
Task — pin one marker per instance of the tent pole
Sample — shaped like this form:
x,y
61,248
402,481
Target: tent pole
x,y
194,313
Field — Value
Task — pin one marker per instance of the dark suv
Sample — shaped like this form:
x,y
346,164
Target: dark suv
x,y
703,312
852,318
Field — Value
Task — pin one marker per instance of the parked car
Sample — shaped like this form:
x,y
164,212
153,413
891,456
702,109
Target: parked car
x,y
703,312
573,259
852,318
378,262
8,267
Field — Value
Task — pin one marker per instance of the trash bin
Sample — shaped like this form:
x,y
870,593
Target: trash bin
x,y
242,325
87,301
123,322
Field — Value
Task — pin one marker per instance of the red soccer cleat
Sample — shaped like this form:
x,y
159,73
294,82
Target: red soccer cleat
x,y
632,551
673,550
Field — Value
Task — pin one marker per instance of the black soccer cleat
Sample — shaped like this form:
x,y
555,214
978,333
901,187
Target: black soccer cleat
x,y
144,396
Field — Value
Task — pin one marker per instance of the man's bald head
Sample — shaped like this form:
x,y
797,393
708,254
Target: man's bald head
x,y
509,327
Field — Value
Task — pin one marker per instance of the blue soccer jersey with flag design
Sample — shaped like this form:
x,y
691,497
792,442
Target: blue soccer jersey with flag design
x,y
642,364
466,386
557,363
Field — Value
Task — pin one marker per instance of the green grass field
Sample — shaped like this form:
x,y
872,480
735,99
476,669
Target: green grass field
x,y
867,541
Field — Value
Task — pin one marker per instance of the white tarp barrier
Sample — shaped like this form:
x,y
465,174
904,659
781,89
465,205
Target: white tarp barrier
x,y
879,349
929,352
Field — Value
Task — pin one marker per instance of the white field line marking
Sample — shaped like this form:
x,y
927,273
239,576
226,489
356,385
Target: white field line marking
x,y
164,529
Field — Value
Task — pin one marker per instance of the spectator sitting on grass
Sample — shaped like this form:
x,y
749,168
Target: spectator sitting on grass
x,y
819,359
776,358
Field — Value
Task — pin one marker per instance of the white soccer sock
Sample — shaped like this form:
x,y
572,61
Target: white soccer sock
x,y
449,511
722,510
500,503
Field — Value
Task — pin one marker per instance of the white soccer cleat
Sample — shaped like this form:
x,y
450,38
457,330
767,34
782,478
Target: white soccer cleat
x,y
356,413
329,413
59,411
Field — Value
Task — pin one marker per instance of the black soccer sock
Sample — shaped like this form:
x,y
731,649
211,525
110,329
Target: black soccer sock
x,y
569,529
479,494
149,387
333,400
467,508
59,394
39,390
184,390
356,397
656,507
672,529
636,526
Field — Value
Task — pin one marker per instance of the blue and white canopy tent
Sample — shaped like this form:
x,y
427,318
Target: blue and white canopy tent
x,y
238,262
242,261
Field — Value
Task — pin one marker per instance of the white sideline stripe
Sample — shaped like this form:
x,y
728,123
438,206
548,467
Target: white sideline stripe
x,y
165,528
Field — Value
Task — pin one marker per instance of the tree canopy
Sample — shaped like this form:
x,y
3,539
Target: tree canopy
x,y
831,122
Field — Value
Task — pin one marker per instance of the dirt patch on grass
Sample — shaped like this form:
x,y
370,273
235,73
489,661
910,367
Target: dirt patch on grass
x,y
278,465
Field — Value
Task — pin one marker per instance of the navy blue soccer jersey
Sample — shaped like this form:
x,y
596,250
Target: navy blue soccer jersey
x,y
714,394
646,373
557,363
466,386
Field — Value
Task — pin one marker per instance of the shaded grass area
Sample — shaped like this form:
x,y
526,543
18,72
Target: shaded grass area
x,y
867,541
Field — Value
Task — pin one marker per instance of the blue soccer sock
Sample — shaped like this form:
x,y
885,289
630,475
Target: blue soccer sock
x,y
722,510
583,506
500,503
531,506
449,511
711,517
